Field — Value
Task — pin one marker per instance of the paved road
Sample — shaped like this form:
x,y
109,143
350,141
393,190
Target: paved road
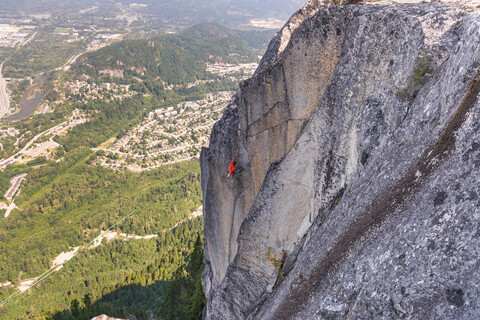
x,y
4,100
15,181
28,40
10,208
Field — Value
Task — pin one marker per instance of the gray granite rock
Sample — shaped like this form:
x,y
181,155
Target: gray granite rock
x,y
358,137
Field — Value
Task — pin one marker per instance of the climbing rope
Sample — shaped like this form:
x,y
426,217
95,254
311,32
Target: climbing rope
x,y
238,141
50,271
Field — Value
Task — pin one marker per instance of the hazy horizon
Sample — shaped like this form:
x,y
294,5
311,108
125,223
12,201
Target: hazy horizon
x,y
228,12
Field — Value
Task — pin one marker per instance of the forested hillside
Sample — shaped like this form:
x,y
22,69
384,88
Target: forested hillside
x,y
65,204
108,119
159,277
158,289
175,58
149,66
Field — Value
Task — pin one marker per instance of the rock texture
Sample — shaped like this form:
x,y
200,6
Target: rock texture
x,y
358,138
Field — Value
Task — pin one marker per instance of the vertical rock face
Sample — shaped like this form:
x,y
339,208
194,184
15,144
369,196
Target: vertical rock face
x,y
358,197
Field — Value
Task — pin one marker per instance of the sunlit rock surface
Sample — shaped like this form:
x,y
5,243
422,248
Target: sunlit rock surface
x,y
359,143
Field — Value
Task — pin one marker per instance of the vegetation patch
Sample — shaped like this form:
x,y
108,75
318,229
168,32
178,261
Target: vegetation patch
x,y
159,278
277,262
61,30
420,75
65,204
45,52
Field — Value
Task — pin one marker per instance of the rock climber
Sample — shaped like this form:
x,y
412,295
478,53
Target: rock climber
x,y
232,170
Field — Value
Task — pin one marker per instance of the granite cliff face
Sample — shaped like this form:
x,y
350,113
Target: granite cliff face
x,y
359,141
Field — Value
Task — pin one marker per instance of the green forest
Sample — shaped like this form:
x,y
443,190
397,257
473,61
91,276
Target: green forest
x,y
107,119
66,204
158,277
174,58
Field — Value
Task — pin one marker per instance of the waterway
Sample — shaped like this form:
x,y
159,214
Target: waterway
x,y
28,103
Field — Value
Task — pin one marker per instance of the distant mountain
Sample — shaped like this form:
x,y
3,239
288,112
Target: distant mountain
x,y
227,12
226,9
31,7
254,38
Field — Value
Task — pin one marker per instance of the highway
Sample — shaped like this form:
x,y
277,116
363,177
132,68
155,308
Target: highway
x,y
4,100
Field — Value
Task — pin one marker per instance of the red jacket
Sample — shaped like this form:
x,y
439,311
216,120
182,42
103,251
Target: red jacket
x,y
231,167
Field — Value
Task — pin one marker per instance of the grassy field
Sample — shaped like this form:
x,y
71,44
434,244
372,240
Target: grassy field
x,y
61,30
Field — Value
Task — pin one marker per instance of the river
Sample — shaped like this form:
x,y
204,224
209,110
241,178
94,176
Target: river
x,y
28,105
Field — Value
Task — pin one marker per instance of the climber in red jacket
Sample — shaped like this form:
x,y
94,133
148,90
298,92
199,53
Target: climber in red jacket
x,y
232,170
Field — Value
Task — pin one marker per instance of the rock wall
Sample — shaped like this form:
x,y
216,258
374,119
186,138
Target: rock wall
x,y
358,142
115,73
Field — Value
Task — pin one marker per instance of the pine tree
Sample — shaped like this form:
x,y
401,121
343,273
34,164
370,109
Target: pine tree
x,y
75,308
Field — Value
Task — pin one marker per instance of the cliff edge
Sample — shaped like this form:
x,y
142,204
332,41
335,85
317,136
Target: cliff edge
x,y
359,143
